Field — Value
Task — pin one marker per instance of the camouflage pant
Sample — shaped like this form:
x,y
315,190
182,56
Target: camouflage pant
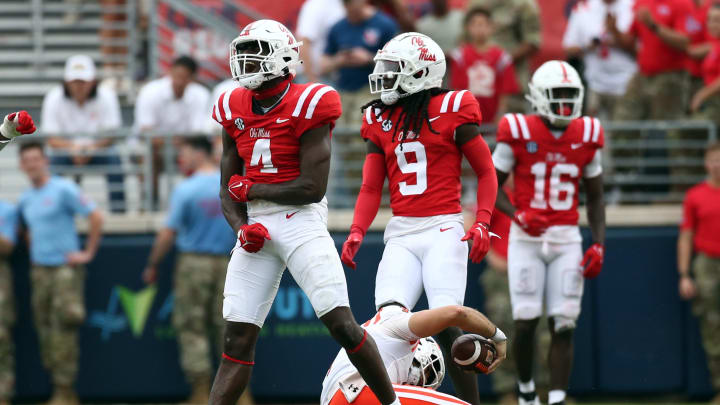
x,y
197,317
58,303
7,320
498,309
706,307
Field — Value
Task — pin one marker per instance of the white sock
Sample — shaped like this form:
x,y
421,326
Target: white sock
x,y
396,401
556,396
527,387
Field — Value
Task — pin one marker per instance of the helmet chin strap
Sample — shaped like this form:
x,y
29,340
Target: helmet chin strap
x,y
389,97
274,90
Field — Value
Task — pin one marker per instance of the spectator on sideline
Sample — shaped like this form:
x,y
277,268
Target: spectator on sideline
x,y
172,105
8,234
659,89
608,68
483,67
57,275
442,24
314,22
517,30
699,234
351,46
705,102
204,239
81,109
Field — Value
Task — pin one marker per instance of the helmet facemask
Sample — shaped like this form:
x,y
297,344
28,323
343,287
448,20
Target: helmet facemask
x,y
428,366
254,61
560,104
396,78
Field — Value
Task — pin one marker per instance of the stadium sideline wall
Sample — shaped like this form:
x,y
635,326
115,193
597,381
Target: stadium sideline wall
x,y
634,337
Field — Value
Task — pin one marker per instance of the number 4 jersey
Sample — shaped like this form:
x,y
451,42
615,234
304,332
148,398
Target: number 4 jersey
x,y
424,169
547,164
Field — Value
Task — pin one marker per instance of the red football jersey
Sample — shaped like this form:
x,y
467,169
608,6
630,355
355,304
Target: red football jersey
x,y
547,169
269,143
424,170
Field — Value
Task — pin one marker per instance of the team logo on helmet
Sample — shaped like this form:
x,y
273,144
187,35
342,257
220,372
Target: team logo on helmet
x,y
387,125
240,124
531,147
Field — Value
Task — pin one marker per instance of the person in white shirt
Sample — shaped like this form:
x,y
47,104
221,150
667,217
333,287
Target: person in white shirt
x,y
411,357
314,22
73,113
608,68
172,105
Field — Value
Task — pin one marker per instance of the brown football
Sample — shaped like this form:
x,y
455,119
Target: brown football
x,y
473,353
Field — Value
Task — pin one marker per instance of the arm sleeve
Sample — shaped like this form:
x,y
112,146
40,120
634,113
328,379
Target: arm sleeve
x,y
112,118
368,200
594,168
49,115
689,220
398,326
478,154
176,211
324,108
8,225
503,157
469,112
78,202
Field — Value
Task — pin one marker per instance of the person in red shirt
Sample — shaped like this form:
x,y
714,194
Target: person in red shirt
x,y
700,41
705,102
417,134
483,67
699,234
659,35
273,175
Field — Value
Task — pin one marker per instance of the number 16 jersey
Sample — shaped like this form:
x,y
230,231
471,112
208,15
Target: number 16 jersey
x,y
424,169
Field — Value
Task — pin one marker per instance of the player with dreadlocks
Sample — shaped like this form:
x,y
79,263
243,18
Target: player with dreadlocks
x,y
417,134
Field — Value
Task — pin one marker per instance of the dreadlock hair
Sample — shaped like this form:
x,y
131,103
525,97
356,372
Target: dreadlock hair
x,y
413,112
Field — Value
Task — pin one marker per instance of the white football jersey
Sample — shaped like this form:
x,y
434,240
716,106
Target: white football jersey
x,y
396,343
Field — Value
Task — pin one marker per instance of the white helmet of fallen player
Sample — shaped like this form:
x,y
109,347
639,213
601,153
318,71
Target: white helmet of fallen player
x,y
409,63
264,50
428,366
556,92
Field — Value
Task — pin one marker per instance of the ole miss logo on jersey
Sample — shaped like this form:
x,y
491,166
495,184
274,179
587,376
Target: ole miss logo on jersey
x,y
270,146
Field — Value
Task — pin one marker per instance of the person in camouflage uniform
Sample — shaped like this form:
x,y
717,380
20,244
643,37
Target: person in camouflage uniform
x,y
8,232
57,276
196,225
698,234
517,30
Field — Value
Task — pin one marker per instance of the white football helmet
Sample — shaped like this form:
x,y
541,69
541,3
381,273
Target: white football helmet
x,y
264,50
428,366
556,92
409,63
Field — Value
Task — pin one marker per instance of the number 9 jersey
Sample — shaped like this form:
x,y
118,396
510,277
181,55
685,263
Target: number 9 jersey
x,y
547,164
424,169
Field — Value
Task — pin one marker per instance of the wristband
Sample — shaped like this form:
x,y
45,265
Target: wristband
x,y
499,336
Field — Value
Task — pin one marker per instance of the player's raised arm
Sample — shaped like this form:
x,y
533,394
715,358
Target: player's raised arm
x,y
310,186
368,201
231,164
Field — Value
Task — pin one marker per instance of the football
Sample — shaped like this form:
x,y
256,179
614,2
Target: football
x,y
473,353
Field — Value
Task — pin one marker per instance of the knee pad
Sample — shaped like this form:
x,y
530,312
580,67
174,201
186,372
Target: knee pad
x,y
564,323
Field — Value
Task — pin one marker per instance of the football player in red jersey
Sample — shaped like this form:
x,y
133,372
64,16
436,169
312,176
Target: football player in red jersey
x,y
548,153
14,125
417,134
274,172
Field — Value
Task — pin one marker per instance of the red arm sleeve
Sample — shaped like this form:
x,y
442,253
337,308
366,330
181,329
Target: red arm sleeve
x,y
478,154
688,218
368,201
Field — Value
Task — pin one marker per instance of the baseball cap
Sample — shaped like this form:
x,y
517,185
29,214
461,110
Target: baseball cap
x,y
79,67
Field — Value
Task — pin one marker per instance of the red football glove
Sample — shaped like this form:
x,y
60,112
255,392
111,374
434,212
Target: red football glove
x,y
532,222
239,187
480,235
16,124
252,237
350,248
592,262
